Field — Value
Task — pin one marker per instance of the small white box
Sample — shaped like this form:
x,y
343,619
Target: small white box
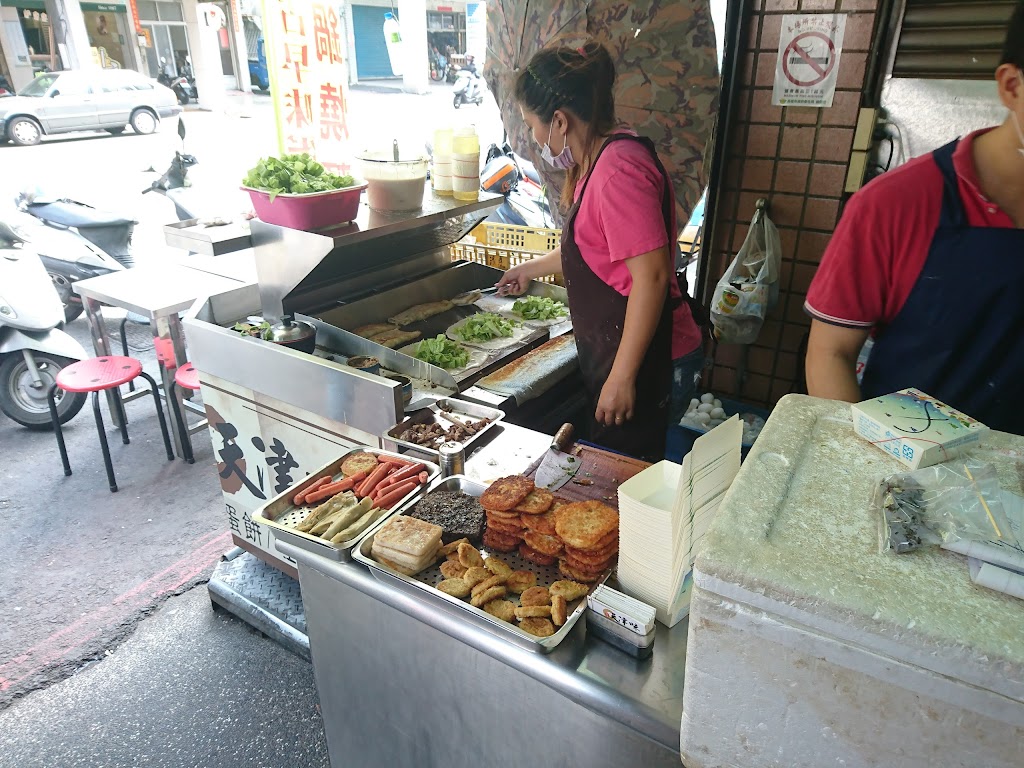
x,y
916,428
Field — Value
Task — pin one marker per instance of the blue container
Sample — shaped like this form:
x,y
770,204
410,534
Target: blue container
x,y
680,439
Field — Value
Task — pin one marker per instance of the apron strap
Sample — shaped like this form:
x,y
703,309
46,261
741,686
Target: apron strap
x,y
952,215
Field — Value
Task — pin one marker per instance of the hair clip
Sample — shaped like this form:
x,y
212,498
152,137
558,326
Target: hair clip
x,y
581,52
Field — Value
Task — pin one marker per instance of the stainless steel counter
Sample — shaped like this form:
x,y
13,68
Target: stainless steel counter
x,y
406,682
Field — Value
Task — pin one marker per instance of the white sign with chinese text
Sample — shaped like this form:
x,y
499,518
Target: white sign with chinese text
x,y
810,46
261,449
308,76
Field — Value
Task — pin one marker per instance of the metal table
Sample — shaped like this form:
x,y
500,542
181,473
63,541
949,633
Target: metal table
x,y
407,682
159,294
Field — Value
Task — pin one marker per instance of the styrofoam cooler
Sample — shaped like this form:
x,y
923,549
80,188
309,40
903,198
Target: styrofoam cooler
x,y
807,647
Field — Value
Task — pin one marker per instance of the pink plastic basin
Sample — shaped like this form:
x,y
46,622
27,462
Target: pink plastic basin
x,y
317,210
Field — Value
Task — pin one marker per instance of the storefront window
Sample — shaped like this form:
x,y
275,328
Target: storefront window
x,y
107,37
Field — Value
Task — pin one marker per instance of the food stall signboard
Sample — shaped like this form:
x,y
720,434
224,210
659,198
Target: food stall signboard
x,y
308,78
810,46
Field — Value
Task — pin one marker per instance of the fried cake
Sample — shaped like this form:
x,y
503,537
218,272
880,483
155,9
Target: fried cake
x,y
506,493
585,523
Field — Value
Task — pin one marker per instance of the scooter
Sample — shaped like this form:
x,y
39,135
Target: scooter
x,y
32,348
77,242
175,185
180,85
525,204
468,89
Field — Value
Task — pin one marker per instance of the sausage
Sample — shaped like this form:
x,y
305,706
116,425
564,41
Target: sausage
x,y
409,472
395,460
327,491
371,482
298,499
395,493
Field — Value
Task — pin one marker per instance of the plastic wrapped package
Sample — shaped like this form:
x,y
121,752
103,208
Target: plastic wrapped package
x,y
959,500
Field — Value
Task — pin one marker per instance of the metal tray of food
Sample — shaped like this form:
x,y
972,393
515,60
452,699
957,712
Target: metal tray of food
x,y
446,413
422,584
281,514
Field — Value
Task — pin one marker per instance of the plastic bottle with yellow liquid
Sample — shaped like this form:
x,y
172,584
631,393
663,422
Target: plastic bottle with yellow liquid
x,y
441,173
466,164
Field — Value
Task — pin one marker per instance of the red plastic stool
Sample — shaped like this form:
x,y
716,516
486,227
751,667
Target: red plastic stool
x,y
96,375
186,377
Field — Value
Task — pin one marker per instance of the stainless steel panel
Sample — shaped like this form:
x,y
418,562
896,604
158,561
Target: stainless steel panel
x,y
191,235
281,506
366,402
424,665
438,413
422,584
292,263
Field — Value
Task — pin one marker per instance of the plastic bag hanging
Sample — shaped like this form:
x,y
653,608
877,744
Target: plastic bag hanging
x,y
750,286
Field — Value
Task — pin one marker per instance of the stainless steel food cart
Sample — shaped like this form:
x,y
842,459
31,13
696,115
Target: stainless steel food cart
x,y
409,681
276,413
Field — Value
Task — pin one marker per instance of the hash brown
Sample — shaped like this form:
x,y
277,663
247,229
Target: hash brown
x,y
470,557
578,575
506,493
584,524
486,596
533,612
506,530
529,553
452,547
537,627
474,576
501,609
520,581
543,524
546,545
570,590
492,581
537,502
535,596
453,569
497,566
501,543
589,565
559,610
454,587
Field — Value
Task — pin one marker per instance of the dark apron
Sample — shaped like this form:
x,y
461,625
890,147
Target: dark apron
x,y
598,316
960,336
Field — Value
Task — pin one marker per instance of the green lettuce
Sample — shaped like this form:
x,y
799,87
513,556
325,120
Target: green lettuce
x,y
293,174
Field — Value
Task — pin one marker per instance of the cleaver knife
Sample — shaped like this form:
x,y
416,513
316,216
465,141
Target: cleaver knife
x,y
558,467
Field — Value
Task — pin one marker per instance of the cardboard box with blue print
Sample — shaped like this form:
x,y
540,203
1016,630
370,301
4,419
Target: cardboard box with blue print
x,y
916,428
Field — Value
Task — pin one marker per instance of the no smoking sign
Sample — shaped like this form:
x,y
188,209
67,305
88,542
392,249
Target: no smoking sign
x,y
810,46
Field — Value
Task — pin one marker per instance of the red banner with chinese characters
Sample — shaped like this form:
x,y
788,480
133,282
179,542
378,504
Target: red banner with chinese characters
x,y
134,10
308,77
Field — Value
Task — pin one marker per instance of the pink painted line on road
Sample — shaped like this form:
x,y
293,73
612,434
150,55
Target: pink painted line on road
x,y
64,641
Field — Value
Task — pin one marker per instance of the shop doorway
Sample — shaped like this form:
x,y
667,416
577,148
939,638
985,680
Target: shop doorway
x,y
163,26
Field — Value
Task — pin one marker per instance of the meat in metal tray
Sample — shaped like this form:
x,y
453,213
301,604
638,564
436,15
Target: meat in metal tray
x,y
446,413
422,585
281,514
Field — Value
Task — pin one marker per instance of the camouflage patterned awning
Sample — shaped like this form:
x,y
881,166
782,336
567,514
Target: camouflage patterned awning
x,y
667,67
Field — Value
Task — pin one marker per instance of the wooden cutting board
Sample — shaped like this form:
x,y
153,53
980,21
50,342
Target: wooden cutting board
x,y
600,475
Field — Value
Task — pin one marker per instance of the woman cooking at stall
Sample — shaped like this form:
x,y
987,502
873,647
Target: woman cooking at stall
x,y
629,317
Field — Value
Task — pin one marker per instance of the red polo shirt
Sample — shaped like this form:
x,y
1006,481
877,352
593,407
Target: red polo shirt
x,y
881,244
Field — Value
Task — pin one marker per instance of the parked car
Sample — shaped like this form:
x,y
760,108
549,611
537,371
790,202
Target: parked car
x,y
97,100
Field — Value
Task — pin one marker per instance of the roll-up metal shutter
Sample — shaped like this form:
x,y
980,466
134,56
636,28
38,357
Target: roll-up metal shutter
x,y
954,40
371,51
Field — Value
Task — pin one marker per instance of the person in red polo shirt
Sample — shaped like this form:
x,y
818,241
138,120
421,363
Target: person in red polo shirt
x,y
929,260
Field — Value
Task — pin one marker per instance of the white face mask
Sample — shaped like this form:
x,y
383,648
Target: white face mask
x,y
564,161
